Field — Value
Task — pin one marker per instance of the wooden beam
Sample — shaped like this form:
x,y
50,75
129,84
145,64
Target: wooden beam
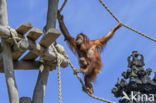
x,y
25,100
1,48
23,28
51,14
39,91
7,58
45,53
26,65
23,65
20,65
30,56
32,34
1,64
50,36
4,32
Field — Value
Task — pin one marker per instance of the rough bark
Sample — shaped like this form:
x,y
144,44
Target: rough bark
x,y
25,100
7,58
36,48
22,65
39,91
51,14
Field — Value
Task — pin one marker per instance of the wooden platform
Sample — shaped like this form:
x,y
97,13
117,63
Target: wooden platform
x,y
41,49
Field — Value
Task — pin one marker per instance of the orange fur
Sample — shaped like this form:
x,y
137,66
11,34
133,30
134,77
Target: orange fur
x,y
89,50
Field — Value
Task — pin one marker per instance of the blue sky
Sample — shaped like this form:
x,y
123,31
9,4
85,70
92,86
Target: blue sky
x,y
89,17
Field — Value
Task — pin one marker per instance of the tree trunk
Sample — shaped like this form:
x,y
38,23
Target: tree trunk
x,y
39,91
7,58
51,14
25,100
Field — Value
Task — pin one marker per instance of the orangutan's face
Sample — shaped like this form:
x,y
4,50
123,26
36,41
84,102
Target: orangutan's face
x,y
79,40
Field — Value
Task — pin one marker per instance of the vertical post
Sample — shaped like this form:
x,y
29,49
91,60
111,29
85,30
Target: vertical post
x,y
7,58
39,91
51,14
25,100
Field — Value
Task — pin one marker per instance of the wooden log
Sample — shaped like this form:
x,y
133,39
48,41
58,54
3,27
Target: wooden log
x,y
4,32
30,56
1,64
23,65
51,14
33,34
40,51
25,100
26,65
47,54
39,91
1,48
7,58
50,36
23,28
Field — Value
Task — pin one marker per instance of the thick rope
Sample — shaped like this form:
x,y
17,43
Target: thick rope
x,y
64,3
142,34
76,74
109,11
13,34
139,33
59,82
59,61
97,98
14,39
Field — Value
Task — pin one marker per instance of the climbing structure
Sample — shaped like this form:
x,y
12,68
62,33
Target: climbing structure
x,y
14,43
20,43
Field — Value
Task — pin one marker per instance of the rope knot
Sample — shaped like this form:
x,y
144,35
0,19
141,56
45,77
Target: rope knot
x,y
15,40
